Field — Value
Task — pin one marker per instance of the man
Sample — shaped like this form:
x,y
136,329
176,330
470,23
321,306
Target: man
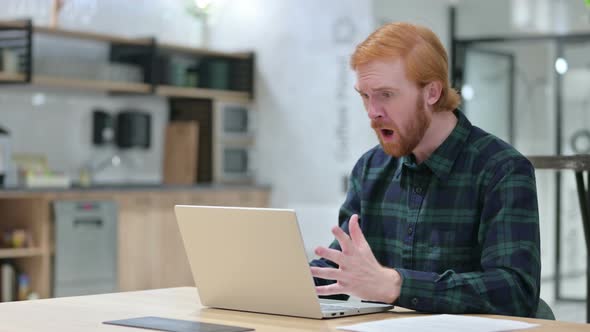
x,y
441,216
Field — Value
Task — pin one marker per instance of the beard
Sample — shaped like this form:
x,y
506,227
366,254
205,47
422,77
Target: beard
x,y
404,144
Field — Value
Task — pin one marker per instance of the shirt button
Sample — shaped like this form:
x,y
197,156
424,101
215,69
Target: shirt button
x,y
418,190
415,301
410,230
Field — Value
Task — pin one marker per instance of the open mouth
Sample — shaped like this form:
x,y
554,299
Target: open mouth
x,y
387,133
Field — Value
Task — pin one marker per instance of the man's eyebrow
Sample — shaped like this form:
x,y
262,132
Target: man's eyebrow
x,y
381,88
385,88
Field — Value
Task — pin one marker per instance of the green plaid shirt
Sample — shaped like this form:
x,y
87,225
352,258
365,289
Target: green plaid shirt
x,y
462,228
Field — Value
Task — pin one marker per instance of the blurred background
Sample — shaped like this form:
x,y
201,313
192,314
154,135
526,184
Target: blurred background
x,y
112,111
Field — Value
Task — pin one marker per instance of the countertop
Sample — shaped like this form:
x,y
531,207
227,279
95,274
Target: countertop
x,y
121,188
138,187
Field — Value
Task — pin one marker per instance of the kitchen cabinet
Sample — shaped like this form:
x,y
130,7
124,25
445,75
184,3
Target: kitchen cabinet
x,y
32,214
150,249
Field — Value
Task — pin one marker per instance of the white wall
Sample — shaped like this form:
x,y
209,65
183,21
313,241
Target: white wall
x,y
61,130
312,124
431,13
165,19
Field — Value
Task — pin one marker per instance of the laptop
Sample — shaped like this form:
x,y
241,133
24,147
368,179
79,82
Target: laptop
x,y
253,259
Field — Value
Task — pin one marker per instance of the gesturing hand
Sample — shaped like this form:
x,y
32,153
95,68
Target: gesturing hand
x,y
358,271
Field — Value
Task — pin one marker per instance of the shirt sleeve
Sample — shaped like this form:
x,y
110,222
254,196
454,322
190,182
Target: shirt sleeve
x,y
509,280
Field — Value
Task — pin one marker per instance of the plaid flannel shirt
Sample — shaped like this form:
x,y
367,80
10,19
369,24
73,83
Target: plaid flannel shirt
x,y
462,228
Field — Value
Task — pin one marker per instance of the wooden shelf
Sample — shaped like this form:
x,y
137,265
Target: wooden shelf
x,y
9,77
202,51
20,252
128,87
92,36
77,34
242,59
13,24
174,91
122,40
75,83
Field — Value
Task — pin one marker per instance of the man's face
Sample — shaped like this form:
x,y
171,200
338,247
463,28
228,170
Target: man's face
x,y
394,104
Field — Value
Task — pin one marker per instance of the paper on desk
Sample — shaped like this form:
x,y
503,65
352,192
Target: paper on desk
x,y
438,323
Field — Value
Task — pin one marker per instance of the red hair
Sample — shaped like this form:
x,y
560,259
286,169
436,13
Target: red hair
x,y
423,54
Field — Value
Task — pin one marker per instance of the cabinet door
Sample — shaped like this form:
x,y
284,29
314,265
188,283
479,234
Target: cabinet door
x,y
139,242
175,270
151,251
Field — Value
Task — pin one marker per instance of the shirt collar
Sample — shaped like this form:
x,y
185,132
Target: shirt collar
x,y
441,161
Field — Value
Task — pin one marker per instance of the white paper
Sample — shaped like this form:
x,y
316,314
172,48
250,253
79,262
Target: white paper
x,y
438,323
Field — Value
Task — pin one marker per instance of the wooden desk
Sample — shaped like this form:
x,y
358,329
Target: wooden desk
x,y
86,313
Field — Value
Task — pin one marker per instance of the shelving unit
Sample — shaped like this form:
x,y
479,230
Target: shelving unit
x,y
20,252
33,215
122,87
215,75
92,36
143,215
80,84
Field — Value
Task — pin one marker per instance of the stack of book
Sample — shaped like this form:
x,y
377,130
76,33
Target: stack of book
x,y
13,285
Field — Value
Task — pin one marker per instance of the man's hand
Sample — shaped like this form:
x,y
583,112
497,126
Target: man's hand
x,y
358,272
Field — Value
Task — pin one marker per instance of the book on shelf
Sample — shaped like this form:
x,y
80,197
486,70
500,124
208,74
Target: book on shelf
x,y
14,285
7,282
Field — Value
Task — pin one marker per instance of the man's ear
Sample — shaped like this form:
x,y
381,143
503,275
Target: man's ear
x,y
432,92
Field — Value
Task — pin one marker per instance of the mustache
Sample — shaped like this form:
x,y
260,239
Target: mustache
x,y
382,125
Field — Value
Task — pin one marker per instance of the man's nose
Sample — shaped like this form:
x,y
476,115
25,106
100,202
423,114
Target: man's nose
x,y
374,111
